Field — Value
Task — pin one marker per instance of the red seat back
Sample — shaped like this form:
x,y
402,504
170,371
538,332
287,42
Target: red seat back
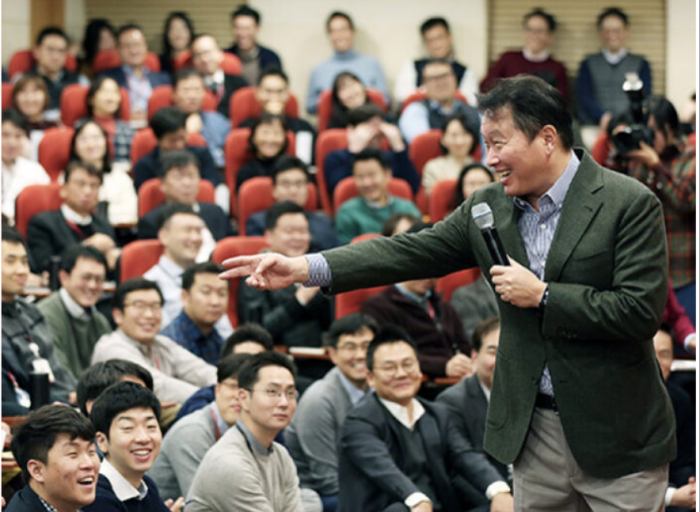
x,y
327,142
145,141
449,283
23,60
54,150
442,199
346,189
7,96
325,105
231,64
138,257
35,199
150,195
351,302
601,149
74,104
162,96
108,59
244,105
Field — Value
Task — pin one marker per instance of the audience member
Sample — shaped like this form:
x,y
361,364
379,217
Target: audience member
x,y
468,402
601,76
90,144
458,142
290,180
180,182
296,315
368,129
74,321
368,212
267,143
18,172
676,318
347,94
55,448
27,344
133,74
100,376
188,96
207,58
188,441
245,22
437,40
177,373
471,178
266,478
397,450
441,101
314,434
31,98
178,32
204,303
50,233
535,58
341,33
104,103
126,417
99,36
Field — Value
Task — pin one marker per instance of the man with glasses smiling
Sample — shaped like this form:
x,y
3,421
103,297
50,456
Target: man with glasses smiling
x,y
137,310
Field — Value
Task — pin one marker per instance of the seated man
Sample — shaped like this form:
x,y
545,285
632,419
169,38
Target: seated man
x,y
294,316
441,102
682,486
126,419
290,178
206,59
245,23
468,401
102,375
474,303
204,303
312,437
397,450
176,372
27,344
180,182
368,129
368,212
341,33
133,74
55,448
51,233
74,321
535,58
437,40
187,441
266,478
168,125
188,96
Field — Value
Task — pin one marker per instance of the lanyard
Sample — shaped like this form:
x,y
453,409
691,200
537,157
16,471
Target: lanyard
x,y
216,425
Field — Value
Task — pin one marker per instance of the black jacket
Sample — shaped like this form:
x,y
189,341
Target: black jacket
x,y
212,215
25,500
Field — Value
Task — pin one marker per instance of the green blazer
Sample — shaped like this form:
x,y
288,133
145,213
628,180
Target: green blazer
x,y
607,272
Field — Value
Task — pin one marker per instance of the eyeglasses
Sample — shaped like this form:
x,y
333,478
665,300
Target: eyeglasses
x,y
276,393
390,370
141,306
353,347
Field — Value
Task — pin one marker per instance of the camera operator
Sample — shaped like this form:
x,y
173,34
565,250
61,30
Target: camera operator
x,y
668,168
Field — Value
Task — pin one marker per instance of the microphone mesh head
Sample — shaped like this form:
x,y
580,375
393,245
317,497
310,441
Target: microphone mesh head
x,y
482,215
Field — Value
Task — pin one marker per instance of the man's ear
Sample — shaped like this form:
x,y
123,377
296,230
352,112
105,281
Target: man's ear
x,y
102,442
370,378
36,470
332,353
244,398
549,137
118,316
63,277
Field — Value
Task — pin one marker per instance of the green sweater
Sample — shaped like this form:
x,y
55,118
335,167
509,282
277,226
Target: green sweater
x,y
73,339
357,217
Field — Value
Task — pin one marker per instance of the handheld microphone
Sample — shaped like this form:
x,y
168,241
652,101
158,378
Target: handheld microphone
x,y
483,216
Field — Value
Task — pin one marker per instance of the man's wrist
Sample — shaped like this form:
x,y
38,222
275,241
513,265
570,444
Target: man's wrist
x,y
669,495
497,488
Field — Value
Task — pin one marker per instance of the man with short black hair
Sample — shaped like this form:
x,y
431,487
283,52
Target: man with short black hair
x,y
102,375
55,448
70,313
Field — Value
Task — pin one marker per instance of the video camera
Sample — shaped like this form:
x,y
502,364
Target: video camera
x,y
630,138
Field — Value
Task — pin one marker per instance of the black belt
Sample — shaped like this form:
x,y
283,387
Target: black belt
x,y
546,402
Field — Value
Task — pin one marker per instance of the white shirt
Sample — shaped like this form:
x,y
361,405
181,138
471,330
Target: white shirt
x,y
120,485
73,216
15,178
74,309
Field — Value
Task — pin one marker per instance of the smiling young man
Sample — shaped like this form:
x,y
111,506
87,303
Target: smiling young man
x,y
55,448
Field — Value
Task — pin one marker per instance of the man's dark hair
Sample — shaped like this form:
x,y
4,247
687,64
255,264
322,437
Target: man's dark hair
x,y
391,223
533,103
74,165
118,398
172,209
664,114
102,375
78,129
277,210
364,113
371,154
206,267
249,372
176,159
388,334
538,11
230,366
133,285
51,31
483,329
349,324
612,11
12,236
125,28
184,74
74,252
245,333
36,436
339,14
168,120
437,21
14,116
92,91
272,70
244,10
287,163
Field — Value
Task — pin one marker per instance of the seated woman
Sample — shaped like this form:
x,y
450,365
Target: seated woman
x,y
103,103
267,142
472,178
90,144
348,93
177,35
99,36
31,98
459,140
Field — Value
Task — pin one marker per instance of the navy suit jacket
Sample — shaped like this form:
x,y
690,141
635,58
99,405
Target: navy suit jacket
x,y
212,215
156,78
25,500
149,166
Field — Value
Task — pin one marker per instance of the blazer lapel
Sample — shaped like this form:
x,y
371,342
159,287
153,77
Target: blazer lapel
x,y
506,220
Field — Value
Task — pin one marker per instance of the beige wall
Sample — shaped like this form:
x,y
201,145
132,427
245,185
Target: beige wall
x,y
681,50
15,28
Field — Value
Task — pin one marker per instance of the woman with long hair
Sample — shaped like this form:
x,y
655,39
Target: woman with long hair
x,y
267,142
104,102
178,32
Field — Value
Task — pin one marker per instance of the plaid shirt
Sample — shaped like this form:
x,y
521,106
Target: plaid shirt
x,y
185,333
673,181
